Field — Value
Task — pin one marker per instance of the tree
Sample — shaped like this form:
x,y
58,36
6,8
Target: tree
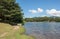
x,y
10,12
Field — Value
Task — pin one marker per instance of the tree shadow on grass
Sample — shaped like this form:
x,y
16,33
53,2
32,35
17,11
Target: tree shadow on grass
x,y
7,22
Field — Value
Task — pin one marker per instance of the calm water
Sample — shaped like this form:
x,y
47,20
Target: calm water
x,y
43,30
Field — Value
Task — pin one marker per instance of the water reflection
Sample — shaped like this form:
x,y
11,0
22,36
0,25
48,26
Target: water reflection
x,y
43,30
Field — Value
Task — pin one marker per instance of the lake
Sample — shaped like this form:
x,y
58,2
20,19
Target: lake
x,y
43,30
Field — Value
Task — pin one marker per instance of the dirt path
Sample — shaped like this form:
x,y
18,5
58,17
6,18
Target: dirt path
x,y
14,29
2,35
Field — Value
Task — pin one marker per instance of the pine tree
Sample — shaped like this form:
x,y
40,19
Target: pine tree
x,y
10,12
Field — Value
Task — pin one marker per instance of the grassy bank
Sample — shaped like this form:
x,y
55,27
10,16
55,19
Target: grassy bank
x,y
9,32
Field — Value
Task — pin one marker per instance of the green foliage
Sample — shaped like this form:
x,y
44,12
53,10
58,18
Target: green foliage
x,y
42,19
10,12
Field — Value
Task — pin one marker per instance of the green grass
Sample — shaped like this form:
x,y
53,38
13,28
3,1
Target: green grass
x,y
13,34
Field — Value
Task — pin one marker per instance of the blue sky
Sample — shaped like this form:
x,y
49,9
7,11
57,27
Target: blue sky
x,y
37,8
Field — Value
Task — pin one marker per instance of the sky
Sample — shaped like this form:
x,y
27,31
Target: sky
x,y
40,8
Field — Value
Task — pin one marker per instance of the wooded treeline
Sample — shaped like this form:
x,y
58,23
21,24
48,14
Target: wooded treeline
x,y
42,19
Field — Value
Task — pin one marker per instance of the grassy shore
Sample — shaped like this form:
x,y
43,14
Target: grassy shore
x,y
12,32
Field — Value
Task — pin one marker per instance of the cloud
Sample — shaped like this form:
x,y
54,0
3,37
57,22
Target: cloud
x,y
43,15
39,10
33,11
53,12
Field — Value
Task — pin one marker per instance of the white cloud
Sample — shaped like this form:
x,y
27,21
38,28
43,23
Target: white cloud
x,y
43,15
39,10
53,12
33,11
